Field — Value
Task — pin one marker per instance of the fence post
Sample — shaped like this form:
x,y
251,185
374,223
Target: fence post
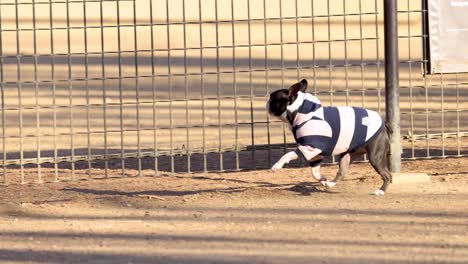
x,y
392,96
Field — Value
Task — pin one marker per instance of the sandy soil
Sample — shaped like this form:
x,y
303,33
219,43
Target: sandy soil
x,y
241,217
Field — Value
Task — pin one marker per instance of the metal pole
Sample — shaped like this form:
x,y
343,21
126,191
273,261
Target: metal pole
x,y
392,96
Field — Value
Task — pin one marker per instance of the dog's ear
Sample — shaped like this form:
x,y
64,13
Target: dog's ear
x,y
295,89
304,85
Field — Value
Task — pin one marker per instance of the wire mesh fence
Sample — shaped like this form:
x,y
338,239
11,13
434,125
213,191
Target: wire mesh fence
x,y
95,89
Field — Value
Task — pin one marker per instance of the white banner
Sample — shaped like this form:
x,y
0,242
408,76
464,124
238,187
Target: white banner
x,y
448,36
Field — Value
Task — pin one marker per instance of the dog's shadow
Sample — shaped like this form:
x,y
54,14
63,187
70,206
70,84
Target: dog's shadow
x,y
302,188
308,188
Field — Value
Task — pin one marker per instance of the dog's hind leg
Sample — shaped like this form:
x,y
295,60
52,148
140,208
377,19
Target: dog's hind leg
x,y
378,158
345,160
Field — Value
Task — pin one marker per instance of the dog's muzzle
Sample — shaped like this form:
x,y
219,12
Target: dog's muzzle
x,y
283,117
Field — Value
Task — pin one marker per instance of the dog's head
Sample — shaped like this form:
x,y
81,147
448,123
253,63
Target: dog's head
x,y
281,102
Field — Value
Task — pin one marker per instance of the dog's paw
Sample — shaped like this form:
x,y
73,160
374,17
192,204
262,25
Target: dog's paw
x,y
378,192
277,167
328,184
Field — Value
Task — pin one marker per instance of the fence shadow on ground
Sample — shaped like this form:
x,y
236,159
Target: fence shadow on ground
x,y
250,158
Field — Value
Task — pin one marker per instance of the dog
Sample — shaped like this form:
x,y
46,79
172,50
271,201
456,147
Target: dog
x,y
345,131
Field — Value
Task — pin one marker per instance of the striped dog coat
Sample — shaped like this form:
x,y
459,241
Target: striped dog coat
x,y
333,130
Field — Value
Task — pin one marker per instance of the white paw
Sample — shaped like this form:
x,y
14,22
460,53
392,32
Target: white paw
x,y
277,167
328,184
378,192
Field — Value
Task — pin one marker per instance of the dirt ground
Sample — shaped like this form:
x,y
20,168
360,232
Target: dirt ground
x,y
241,217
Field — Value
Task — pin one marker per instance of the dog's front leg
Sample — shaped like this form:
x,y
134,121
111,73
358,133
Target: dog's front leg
x,y
313,156
292,155
323,180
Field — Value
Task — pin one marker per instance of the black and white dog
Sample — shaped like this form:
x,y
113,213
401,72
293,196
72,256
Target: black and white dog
x,y
320,131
